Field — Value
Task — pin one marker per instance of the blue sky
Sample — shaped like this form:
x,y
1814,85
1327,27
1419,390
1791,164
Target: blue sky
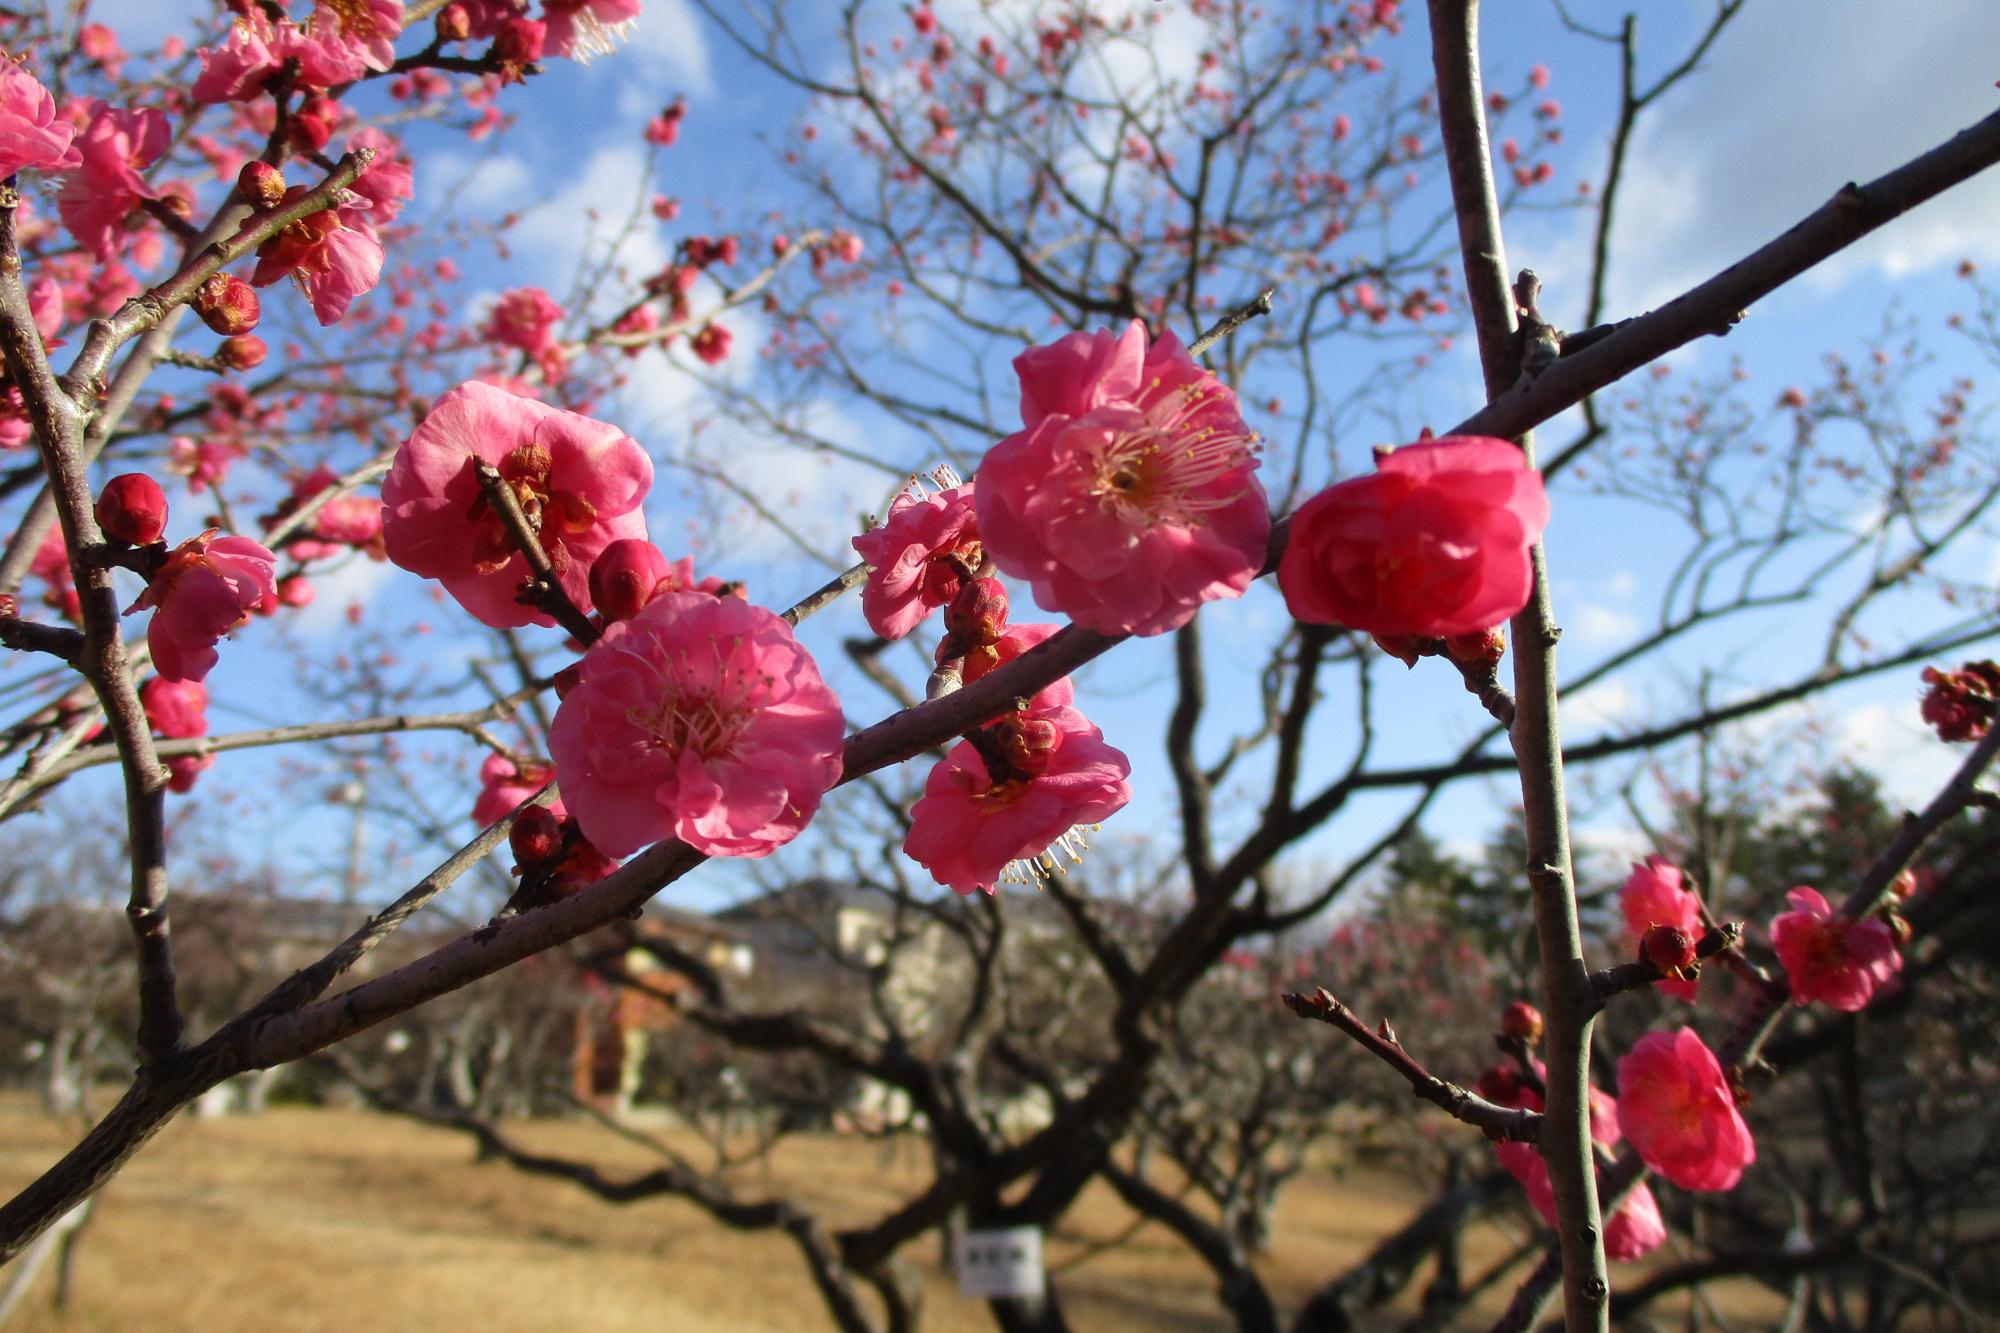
x,y
1800,96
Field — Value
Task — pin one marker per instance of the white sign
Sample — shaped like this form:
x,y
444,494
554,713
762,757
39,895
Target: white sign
x,y
1004,1262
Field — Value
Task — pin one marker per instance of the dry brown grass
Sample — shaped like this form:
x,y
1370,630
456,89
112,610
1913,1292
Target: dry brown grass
x,y
335,1220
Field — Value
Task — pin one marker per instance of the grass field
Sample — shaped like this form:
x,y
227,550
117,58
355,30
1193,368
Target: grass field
x,y
312,1220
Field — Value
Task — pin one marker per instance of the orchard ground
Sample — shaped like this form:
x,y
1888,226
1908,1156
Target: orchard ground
x,y
303,1219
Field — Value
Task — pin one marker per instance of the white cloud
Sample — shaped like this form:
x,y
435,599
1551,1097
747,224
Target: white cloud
x,y
1597,625
1891,742
668,46
583,212
1598,708
1750,143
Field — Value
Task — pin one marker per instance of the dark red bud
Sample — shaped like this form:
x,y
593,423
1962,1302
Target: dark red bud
x,y
626,576
133,509
1499,1084
227,304
454,23
261,184
536,837
1669,948
518,42
978,614
245,351
1485,648
1522,1022
313,123
567,679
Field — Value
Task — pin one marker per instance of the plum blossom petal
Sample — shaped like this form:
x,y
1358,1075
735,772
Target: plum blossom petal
x,y
700,718
583,479
1131,497
1434,543
207,587
1830,959
1678,1113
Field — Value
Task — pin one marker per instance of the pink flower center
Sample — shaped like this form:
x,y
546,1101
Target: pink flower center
x,y
358,22
1163,468
705,718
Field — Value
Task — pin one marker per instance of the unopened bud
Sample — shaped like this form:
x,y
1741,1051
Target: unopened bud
x,y
1028,742
245,351
1485,648
177,205
1904,886
261,184
296,591
977,615
454,23
1671,949
626,576
536,837
1899,928
313,123
133,509
518,42
10,606
1522,1022
1499,1084
227,304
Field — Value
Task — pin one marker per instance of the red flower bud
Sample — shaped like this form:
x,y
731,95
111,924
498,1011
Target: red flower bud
x,y
227,304
1671,949
245,351
1485,648
1904,886
261,184
454,23
517,43
536,837
296,591
712,344
977,615
313,123
1499,1084
1522,1022
626,576
133,509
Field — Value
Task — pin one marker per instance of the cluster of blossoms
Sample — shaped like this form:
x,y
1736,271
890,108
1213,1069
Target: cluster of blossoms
x,y
1127,501
1960,704
1635,1228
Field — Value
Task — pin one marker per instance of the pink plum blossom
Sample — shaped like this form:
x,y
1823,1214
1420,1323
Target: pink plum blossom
x,y
582,479
1433,543
333,261
1831,959
921,555
236,70
700,718
176,708
1654,895
1678,1113
115,146
389,180
1634,1229
368,28
31,138
525,318
504,783
585,29
208,586
1131,497
1010,792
